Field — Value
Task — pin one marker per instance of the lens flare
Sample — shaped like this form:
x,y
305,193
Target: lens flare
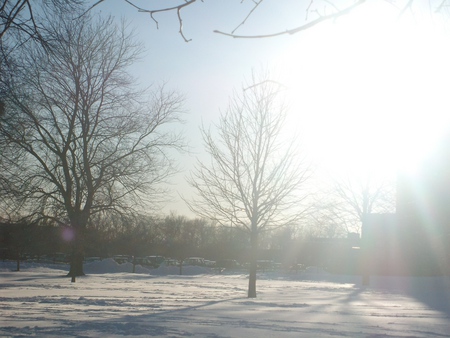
x,y
68,234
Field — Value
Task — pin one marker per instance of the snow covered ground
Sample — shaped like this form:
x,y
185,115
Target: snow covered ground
x,y
110,301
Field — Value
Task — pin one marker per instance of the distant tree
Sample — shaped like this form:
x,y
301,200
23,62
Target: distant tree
x,y
350,198
139,237
176,245
88,139
366,195
255,177
18,241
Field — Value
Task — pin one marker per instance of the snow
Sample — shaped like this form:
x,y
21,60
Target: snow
x,y
110,301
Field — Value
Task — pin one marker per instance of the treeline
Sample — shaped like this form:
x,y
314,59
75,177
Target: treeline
x,y
171,236
176,237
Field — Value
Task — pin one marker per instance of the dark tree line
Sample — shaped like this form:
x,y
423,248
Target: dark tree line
x,y
176,237
172,236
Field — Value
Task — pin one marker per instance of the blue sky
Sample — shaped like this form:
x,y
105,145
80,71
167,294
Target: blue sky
x,y
360,88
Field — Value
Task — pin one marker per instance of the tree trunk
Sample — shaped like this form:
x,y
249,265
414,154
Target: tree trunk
x,y
76,261
253,264
366,252
76,265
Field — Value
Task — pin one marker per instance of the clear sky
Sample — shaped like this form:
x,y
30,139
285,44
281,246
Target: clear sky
x,y
368,91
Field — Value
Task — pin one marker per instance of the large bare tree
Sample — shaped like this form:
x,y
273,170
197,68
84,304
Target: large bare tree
x,y
255,178
78,136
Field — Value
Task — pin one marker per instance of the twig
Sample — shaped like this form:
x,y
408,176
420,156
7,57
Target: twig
x,y
177,8
181,25
248,15
265,81
308,8
90,8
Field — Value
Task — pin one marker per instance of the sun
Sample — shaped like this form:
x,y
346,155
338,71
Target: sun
x,y
369,92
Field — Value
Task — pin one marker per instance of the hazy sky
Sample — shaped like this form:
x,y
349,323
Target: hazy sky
x,y
369,90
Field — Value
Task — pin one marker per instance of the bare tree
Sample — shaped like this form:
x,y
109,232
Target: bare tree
x,y
350,199
89,140
255,177
367,195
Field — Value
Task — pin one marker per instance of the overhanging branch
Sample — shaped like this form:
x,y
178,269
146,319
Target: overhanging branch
x,y
299,28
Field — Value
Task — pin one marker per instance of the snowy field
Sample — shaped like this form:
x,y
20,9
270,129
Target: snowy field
x,y
109,302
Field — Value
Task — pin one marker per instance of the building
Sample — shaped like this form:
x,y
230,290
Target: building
x,y
416,240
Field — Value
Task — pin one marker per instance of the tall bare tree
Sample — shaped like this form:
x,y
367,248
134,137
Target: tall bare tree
x,y
89,140
255,177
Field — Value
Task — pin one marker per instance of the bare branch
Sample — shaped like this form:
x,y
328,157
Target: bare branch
x,y
264,82
91,8
181,25
18,16
257,3
300,28
177,8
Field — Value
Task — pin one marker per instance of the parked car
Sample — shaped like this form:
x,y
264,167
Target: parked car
x,y
154,261
121,258
139,260
194,261
171,262
265,265
228,264
210,264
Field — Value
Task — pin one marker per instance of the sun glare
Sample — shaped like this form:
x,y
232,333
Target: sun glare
x,y
369,91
